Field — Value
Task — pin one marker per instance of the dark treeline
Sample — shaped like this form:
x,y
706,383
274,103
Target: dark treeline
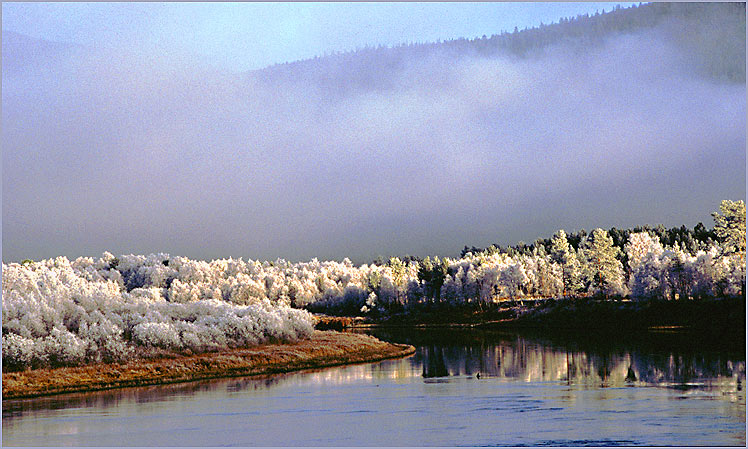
x,y
700,29
642,263
694,239
691,240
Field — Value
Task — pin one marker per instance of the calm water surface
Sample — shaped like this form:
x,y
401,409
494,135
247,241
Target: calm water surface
x,y
459,389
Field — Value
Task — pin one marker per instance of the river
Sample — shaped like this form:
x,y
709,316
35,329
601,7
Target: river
x,y
460,388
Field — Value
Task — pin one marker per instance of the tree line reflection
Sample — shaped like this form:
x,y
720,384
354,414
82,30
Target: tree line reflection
x,y
677,361
578,359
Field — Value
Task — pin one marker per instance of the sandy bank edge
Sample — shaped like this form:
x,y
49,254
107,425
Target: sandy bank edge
x,y
323,349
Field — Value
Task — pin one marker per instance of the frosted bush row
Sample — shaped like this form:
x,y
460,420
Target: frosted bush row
x,y
595,268
665,273
98,309
60,313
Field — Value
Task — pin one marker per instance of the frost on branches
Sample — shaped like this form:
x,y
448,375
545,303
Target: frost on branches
x,y
57,312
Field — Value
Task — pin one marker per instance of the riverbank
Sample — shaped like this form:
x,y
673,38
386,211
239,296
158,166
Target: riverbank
x,y
724,316
323,349
720,316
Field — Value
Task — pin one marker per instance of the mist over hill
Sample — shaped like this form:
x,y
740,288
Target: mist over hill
x,y
23,53
709,34
625,118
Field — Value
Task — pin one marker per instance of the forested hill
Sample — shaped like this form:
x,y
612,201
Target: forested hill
x,y
711,34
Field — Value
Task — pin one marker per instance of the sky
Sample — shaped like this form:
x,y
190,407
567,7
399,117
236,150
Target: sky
x,y
245,36
150,134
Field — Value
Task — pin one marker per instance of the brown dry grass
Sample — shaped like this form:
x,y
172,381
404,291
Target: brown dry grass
x,y
325,348
336,323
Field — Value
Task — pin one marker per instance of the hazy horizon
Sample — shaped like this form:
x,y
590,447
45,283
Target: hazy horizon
x,y
135,149
238,37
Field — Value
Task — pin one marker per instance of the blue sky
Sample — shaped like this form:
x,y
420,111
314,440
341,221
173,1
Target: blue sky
x,y
241,36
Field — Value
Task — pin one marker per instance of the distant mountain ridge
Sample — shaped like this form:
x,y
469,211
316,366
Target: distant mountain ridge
x,y
713,33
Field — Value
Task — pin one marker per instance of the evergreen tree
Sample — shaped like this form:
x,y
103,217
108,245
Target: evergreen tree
x,y
398,269
729,225
432,275
563,254
604,270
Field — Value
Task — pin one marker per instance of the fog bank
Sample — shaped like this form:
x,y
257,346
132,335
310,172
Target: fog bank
x,y
143,151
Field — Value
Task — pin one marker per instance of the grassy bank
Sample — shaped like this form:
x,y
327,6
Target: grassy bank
x,y
325,348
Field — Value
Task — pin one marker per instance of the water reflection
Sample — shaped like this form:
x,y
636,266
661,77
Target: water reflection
x,y
136,395
509,356
532,390
515,360
519,357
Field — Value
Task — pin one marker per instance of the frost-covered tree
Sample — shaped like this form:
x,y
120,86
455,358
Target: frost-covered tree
x,y
643,252
645,281
399,272
640,244
514,278
729,225
677,276
548,278
451,291
487,278
603,271
563,254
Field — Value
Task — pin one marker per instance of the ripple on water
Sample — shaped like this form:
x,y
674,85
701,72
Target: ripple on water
x,y
391,403
510,403
585,443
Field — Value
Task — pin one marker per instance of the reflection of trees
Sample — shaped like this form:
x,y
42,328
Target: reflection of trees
x,y
683,368
529,359
207,389
587,360
434,365
137,395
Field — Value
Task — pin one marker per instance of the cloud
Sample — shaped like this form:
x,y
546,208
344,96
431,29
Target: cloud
x,y
143,152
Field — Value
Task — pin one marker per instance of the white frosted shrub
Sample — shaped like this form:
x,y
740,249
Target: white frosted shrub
x,y
300,327
18,351
661,273
150,294
105,342
57,312
159,334
733,267
64,348
242,289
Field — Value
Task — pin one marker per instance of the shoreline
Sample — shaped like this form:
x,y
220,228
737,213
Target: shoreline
x,y
723,316
323,349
